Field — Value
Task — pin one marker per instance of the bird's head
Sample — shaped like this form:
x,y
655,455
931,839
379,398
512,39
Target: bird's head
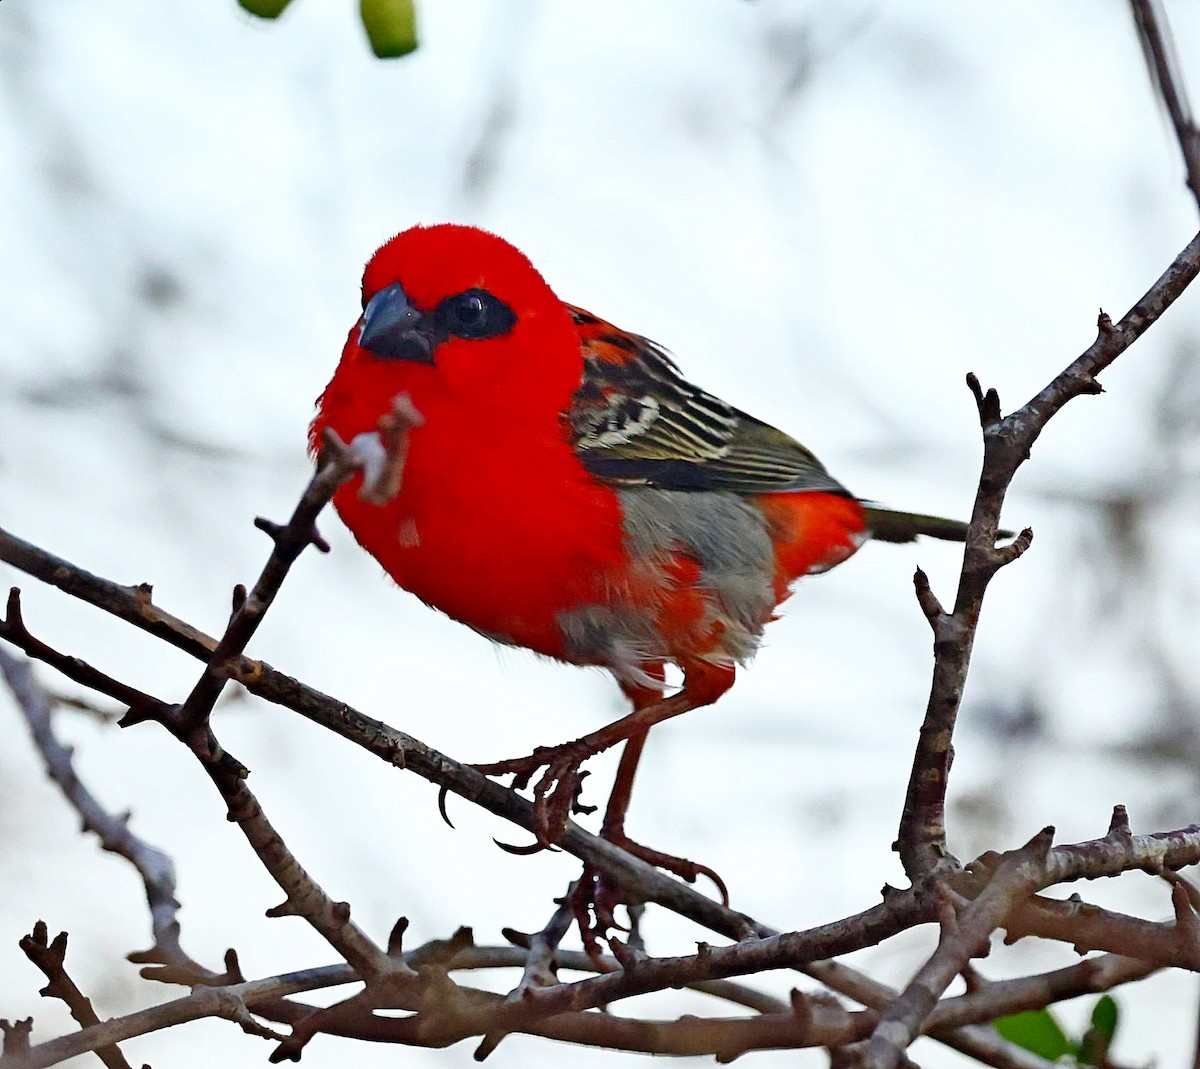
x,y
459,312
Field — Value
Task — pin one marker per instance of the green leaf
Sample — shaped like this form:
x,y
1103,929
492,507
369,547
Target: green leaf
x,y
1037,1032
1105,1015
391,26
1093,1048
265,9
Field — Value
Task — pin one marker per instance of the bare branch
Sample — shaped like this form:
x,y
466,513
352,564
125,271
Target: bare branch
x,y
1158,48
16,1040
802,949
541,950
305,896
398,748
1007,443
1089,927
154,866
1000,998
14,631
338,464
51,958
203,1002
963,938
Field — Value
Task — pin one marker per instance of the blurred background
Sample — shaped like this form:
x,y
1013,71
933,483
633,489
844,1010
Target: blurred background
x,y
830,212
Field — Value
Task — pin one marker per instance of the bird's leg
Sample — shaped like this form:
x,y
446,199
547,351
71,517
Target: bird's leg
x,y
555,793
613,828
596,894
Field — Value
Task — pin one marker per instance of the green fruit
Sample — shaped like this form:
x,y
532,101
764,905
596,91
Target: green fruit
x,y
391,26
265,9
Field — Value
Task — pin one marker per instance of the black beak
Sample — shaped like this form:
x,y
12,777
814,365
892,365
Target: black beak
x,y
392,328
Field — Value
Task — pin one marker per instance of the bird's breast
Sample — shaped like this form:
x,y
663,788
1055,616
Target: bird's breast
x,y
502,535
501,528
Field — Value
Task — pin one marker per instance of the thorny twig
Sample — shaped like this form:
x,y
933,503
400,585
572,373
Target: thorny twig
x,y
51,958
965,935
304,896
1068,862
1007,443
540,966
1115,852
338,464
1154,34
541,951
806,1023
133,605
793,949
153,866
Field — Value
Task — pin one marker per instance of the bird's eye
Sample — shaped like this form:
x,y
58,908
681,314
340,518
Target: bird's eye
x,y
475,314
468,314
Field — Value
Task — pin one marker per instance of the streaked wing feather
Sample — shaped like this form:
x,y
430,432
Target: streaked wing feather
x,y
636,421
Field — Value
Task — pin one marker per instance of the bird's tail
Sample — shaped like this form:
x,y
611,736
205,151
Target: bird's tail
x,y
889,526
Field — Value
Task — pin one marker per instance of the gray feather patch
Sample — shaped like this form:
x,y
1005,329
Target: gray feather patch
x,y
726,536
728,539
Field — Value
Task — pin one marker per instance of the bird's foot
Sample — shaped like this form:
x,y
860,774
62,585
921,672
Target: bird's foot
x,y
555,794
593,900
686,870
596,896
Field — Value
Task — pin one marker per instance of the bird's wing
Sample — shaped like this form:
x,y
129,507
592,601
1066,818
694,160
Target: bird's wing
x,y
635,421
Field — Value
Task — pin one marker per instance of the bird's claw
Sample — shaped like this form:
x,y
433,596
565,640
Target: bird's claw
x,y
556,792
595,897
592,901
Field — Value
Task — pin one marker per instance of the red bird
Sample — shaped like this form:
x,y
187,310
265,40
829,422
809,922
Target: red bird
x,y
566,490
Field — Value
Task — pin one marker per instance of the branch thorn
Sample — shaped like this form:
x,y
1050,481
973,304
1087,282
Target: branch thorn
x,y
395,943
1119,824
287,908
626,957
802,1008
520,939
273,530
1004,555
988,403
488,1044
927,599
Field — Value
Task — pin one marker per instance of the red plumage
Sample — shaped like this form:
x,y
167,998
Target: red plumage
x,y
568,491
498,523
